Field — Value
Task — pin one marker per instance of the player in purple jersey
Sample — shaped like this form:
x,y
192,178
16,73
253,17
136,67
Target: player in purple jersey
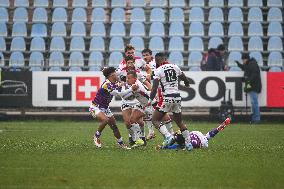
x,y
198,140
100,107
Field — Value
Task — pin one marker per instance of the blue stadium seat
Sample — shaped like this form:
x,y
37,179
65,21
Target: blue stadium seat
x,y
176,44
76,61
40,15
176,58
138,43
157,15
3,29
114,59
20,15
137,29
99,3
177,3
194,58
116,44
78,29
234,56
235,69
98,15
58,29
214,42
275,69
118,3
5,3
275,59
41,3
257,56
274,14
80,3
18,44
216,3
118,15
138,3
275,44
195,69
235,3
275,29
59,15
255,15
79,15
176,29
19,29
195,44
235,15
196,3
176,15
97,44
274,3
57,44
37,44
196,29
2,44
36,61
158,3
255,3
56,61
156,44
98,29
157,29
21,3
137,15
2,62
60,3
216,29
117,29
96,61
4,15
255,44
255,29
235,44
17,60
77,44
216,15
196,14
235,29
39,30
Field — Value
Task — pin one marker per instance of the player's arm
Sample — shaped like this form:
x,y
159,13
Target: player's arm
x,y
147,84
154,90
184,79
148,71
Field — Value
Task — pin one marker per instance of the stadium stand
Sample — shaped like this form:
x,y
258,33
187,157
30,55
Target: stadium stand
x,y
68,26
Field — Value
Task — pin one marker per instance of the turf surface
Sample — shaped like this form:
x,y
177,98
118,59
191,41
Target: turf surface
x,y
60,154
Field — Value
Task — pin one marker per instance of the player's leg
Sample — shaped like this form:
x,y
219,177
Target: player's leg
x,y
168,123
136,120
221,127
148,122
103,121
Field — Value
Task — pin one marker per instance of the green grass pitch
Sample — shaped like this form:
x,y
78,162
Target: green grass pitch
x,y
60,154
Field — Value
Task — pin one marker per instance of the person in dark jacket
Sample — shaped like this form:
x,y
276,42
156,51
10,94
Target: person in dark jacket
x,y
252,84
215,61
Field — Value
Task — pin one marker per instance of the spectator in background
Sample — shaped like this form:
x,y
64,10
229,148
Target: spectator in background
x,y
252,84
215,60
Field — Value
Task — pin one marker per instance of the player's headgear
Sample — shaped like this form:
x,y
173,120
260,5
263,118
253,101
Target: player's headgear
x,y
108,71
179,138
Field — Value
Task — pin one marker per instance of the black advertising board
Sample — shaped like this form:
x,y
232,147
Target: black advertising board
x,y
15,89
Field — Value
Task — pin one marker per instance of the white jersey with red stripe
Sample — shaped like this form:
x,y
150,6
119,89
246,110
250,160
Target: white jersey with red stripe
x,y
152,64
141,94
139,63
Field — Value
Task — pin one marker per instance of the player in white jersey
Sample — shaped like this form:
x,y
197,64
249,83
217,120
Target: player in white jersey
x,y
131,107
150,61
168,76
198,140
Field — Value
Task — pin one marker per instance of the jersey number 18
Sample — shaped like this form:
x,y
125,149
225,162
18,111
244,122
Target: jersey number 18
x,y
170,75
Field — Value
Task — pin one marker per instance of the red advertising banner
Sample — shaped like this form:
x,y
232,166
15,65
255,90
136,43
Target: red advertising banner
x,y
87,87
275,89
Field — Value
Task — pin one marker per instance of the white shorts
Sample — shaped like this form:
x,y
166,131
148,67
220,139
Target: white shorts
x,y
95,110
135,106
148,113
171,104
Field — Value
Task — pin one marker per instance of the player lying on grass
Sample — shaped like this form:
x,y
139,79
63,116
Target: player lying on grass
x,y
99,108
198,140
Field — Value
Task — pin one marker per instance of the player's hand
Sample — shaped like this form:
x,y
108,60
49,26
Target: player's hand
x,y
134,87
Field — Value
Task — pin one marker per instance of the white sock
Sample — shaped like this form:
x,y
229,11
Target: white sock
x,y
185,135
138,129
164,131
135,128
150,127
169,126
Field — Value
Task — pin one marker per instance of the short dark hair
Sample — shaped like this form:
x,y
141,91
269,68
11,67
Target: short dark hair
x,y
132,72
160,55
221,47
108,71
127,58
128,47
147,51
245,56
